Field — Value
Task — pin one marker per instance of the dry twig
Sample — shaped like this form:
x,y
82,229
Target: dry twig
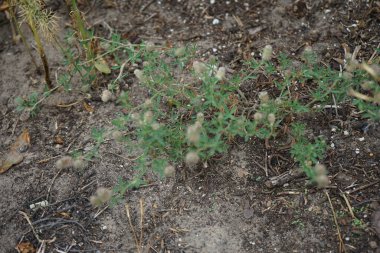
x,y
341,243
41,241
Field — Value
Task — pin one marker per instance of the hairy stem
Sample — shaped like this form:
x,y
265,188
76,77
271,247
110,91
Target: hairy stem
x,y
41,52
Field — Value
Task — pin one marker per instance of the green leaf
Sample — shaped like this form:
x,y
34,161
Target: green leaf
x,y
102,66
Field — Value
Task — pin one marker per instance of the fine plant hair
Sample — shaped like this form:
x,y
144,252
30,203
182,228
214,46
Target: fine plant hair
x,y
42,23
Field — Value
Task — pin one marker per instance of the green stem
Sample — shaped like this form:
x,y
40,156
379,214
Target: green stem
x,y
41,52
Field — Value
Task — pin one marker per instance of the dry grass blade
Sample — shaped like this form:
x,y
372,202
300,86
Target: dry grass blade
x,y
341,243
348,206
138,245
141,220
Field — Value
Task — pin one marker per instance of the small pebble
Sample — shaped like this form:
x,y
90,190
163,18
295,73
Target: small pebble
x,y
361,139
215,21
346,133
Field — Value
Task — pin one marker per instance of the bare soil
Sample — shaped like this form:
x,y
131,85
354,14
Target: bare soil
x,y
226,207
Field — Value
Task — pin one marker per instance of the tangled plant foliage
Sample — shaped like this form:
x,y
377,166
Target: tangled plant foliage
x,y
196,108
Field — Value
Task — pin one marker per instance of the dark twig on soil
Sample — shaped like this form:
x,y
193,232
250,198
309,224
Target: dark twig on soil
x,y
34,230
262,167
363,187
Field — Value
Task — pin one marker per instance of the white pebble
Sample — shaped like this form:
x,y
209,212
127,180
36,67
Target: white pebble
x,y
215,21
361,139
357,151
346,133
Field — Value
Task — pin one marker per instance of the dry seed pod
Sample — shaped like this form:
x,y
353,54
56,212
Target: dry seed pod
x,y
139,74
221,73
258,116
149,46
95,201
106,96
169,171
263,96
104,194
320,169
192,158
200,117
148,117
146,63
148,103
193,133
199,67
322,181
271,118
135,117
179,52
117,135
155,126
65,162
79,163
267,53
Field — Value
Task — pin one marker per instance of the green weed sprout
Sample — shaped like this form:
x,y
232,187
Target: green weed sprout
x,y
84,35
90,58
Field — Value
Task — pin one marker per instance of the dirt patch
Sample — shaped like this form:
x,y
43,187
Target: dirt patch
x,y
225,207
